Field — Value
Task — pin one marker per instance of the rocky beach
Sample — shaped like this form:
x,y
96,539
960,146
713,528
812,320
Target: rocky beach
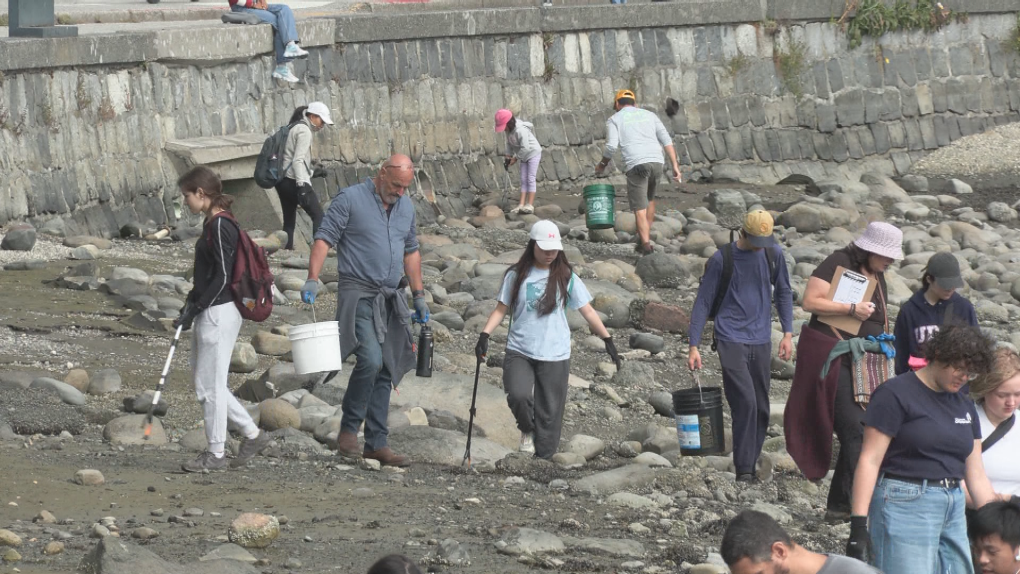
x,y
85,332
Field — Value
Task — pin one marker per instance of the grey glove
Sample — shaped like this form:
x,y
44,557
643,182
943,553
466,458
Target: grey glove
x,y
309,290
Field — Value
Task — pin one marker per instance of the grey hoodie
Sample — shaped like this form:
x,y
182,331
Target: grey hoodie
x,y
297,154
522,142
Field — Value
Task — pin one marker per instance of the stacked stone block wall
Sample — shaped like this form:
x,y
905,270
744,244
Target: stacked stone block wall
x,y
85,142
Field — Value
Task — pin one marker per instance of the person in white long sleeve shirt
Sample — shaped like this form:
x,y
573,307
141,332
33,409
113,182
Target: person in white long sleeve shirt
x,y
641,137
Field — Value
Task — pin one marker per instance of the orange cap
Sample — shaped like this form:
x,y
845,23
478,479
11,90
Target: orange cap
x,y
624,94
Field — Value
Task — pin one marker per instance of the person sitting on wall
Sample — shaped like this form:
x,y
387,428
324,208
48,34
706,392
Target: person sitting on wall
x,y
285,36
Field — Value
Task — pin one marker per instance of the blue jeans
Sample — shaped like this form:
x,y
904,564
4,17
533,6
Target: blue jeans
x,y
919,529
281,19
368,390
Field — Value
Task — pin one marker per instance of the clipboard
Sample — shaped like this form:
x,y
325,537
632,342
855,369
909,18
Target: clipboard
x,y
845,322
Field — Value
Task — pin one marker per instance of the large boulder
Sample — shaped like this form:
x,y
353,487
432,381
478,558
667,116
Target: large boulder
x,y
66,392
20,237
104,381
729,207
129,429
662,270
252,530
113,555
440,446
278,414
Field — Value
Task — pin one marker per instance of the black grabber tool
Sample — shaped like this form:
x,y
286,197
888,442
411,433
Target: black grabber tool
x,y
147,425
471,416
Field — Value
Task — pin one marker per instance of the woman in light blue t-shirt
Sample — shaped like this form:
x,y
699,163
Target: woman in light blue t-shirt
x,y
538,289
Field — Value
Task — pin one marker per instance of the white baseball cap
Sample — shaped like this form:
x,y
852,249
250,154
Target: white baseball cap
x,y
547,235
320,109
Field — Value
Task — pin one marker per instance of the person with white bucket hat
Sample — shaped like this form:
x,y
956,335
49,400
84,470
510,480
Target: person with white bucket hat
x,y
820,405
537,291
295,189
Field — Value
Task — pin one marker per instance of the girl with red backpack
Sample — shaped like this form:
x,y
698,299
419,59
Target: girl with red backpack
x,y
211,309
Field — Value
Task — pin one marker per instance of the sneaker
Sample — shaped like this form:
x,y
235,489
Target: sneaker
x,y
284,73
206,462
517,209
294,51
746,477
249,448
527,443
528,209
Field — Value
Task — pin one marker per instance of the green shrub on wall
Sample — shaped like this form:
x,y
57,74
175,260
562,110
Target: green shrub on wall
x,y
875,17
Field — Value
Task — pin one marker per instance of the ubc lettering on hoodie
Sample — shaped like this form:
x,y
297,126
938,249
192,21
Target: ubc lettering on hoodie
x,y
919,320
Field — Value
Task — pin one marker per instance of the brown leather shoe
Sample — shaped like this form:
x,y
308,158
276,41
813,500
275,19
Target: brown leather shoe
x,y
347,445
387,457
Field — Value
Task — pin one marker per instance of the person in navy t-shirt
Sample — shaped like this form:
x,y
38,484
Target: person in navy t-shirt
x,y
937,303
922,437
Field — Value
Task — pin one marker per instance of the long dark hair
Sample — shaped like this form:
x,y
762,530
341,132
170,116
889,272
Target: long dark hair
x,y
858,258
298,115
511,124
560,273
201,177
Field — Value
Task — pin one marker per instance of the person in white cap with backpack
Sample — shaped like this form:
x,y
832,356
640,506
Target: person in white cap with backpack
x,y
295,189
537,291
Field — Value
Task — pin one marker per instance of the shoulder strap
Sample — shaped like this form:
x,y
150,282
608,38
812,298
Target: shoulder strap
x,y
999,432
724,281
947,317
773,265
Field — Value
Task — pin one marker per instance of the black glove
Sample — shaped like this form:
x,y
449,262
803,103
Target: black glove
x,y
859,544
482,347
611,349
506,164
187,316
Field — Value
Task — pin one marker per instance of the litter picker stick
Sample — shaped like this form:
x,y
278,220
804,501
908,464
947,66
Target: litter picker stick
x,y
147,425
471,417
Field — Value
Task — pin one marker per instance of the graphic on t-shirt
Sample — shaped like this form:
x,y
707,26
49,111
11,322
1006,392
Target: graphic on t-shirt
x,y
533,294
963,421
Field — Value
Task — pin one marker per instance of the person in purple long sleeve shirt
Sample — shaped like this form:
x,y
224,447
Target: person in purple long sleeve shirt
x,y
743,332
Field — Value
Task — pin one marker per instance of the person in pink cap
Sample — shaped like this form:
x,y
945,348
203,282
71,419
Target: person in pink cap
x,y
523,146
820,405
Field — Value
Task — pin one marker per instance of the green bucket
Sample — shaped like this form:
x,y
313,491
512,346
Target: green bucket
x,y
599,208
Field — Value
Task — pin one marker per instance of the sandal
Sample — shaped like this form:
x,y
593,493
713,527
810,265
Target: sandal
x,y
644,248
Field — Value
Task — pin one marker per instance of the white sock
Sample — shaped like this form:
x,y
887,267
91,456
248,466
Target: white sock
x,y
216,449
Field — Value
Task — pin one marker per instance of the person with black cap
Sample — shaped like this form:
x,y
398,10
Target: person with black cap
x,y
749,274
641,137
937,303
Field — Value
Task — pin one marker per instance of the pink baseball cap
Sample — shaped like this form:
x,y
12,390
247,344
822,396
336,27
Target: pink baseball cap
x,y
502,117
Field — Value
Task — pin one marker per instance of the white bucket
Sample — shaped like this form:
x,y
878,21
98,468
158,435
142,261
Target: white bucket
x,y
315,347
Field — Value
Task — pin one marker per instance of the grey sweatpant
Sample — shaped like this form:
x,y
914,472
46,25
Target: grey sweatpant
x,y
212,344
746,379
537,394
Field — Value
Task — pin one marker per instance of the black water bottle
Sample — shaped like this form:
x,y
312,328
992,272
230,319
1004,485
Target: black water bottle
x,y
425,347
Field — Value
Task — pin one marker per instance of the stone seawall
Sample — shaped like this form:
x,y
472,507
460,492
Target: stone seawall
x,y
84,121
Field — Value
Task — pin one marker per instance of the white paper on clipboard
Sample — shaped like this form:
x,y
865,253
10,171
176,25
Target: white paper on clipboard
x,y
851,287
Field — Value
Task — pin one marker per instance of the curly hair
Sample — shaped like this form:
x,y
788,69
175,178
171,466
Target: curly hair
x,y
1005,366
961,346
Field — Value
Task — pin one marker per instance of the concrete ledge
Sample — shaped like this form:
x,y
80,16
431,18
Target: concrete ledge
x,y
383,27
123,48
654,15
